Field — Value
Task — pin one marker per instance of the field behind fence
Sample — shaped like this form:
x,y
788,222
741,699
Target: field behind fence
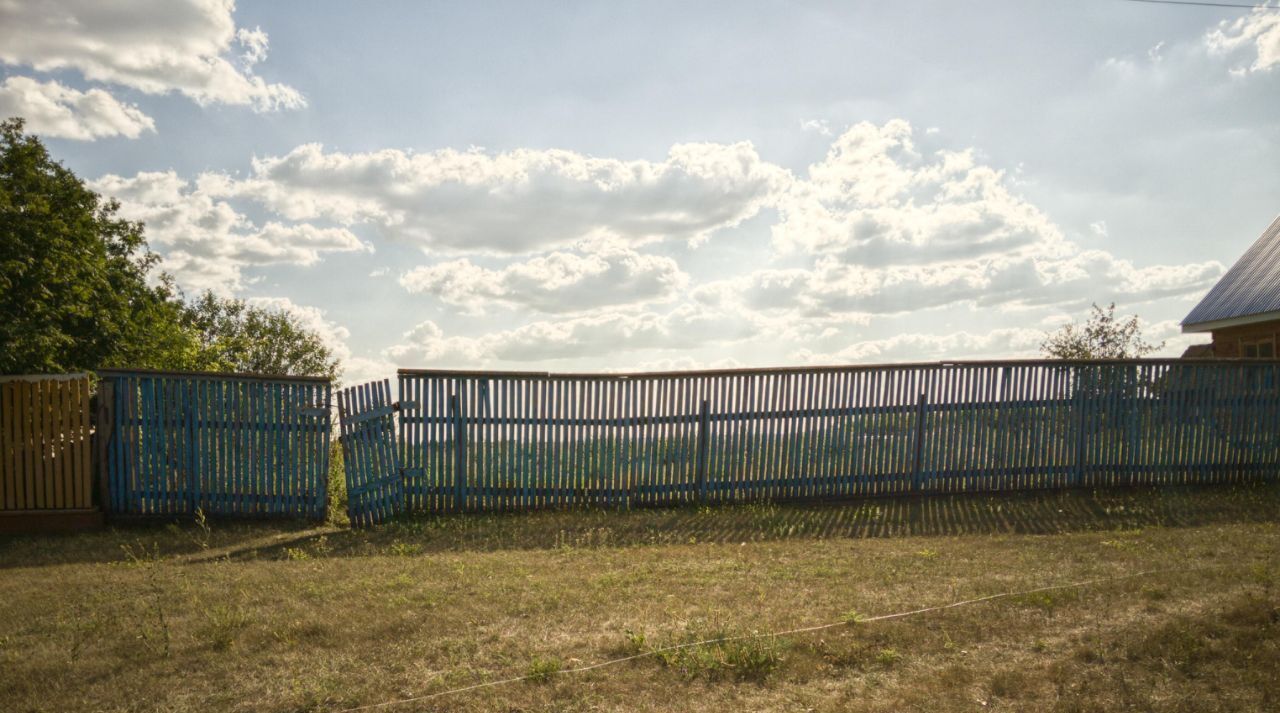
x,y
494,441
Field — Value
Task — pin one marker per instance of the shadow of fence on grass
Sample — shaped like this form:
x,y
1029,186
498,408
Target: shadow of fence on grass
x,y
937,515
1028,513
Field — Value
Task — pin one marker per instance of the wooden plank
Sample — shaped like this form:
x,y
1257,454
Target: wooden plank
x,y
44,429
59,443
8,485
460,454
704,443
73,440
27,409
6,450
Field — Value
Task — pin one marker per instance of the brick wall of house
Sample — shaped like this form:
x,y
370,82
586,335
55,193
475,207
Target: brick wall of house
x,y
1226,342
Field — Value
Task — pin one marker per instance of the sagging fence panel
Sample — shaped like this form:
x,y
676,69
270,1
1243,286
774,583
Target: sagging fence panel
x,y
487,441
228,444
375,485
45,443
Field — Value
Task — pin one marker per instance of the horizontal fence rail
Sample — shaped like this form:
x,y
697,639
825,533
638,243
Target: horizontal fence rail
x,y
45,440
227,444
492,441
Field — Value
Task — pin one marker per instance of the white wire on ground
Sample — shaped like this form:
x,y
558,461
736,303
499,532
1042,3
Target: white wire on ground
x,y
743,637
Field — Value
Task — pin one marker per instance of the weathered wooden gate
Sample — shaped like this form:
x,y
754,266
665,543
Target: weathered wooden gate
x,y
370,458
44,444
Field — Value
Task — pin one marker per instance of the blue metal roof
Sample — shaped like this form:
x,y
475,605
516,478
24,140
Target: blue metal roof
x,y
1251,286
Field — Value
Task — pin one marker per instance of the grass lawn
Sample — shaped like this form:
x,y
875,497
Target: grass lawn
x,y
297,617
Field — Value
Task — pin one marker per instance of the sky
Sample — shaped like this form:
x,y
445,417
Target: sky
x,y
578,186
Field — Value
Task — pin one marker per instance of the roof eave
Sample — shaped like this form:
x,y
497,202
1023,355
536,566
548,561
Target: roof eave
x,y
1188,327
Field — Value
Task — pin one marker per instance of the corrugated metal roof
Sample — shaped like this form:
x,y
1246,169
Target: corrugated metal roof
x,y
1251,286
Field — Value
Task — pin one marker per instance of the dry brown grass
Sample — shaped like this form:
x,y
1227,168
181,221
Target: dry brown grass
x,y
292,617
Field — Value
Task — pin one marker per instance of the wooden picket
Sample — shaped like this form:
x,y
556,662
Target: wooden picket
x,y
474,440
226,444
370,459
45,443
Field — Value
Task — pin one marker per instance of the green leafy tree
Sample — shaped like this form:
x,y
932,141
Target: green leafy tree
x,y
233,335
1102,336
79,288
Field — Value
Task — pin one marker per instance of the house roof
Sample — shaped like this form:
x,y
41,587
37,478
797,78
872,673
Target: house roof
x,y
1249,292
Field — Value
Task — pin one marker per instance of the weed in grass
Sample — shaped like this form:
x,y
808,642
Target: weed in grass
x,y
152,623
542,669
337,487
1263,576
726,654
138,554
753,659
223,623
927,554
852,616
150,620
634,642
81,627
203,532
888,657
296,554
1047,601
321,546
404,549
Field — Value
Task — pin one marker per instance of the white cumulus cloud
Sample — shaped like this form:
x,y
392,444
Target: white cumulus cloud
x,y
597,274
520,201
156,46
54,110
886,231
875,200
1006,342
206,243
586,336
993,281
1256,36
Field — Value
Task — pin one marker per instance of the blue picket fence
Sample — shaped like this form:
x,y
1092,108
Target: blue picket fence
x,y
227,444
514,440
375,487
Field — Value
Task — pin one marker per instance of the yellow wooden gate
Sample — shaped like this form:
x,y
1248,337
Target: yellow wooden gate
x,y
45,443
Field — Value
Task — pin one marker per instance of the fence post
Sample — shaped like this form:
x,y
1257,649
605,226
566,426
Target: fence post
x,y
922,406
459,455
103,427
704,438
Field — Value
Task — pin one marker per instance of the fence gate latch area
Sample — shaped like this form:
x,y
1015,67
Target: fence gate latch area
x,y
371,461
